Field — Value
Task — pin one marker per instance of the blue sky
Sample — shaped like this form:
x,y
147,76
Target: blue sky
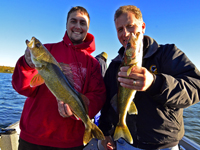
x,y
167,21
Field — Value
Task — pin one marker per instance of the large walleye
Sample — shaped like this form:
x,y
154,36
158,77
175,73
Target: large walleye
x,y
132,57
50,73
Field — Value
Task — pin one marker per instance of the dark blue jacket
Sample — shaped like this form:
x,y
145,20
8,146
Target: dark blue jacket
x,y
159,123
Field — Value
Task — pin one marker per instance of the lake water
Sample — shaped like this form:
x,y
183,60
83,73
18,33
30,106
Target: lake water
x,y
11,105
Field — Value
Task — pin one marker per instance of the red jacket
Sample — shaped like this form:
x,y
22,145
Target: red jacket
x,y
40,121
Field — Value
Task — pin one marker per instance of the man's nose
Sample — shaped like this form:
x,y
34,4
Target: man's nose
x,y
126,33
78,25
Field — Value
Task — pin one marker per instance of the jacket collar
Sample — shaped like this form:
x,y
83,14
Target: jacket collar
x,y
150,46
88,44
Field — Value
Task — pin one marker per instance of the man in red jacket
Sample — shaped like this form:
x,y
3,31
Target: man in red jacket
x,y
47,123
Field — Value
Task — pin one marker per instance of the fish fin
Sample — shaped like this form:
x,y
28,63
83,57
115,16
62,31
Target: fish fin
x,y
92,131
86,102
132,109
113,102
87,136
36,80
97,133
129,69
123,131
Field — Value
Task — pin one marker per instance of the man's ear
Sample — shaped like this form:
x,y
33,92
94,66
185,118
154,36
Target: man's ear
x,y
143,27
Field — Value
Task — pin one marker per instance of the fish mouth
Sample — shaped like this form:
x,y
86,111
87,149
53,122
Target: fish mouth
x,y
27,41
126,42
31,43
33,46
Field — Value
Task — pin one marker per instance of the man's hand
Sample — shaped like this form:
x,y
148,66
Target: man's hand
x,y
64,109
27,56
140,78
108,143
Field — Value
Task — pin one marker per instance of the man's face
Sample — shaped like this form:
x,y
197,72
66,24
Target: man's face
x,y
77,27
127,24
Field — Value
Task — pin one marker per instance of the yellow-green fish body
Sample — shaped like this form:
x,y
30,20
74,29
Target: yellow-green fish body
x,y
50,73
132,57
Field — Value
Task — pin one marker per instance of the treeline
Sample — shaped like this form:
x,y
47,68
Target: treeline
x,y
6,69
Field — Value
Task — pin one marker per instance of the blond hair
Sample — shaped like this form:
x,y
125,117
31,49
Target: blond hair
x,y
128,8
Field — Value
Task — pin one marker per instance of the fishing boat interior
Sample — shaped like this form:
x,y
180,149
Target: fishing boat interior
x,y
9,140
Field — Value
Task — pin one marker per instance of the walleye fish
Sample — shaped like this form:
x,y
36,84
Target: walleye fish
x,y
50,73
132,57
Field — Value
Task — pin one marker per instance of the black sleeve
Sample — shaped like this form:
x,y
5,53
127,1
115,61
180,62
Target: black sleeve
x,y
109,117
178,83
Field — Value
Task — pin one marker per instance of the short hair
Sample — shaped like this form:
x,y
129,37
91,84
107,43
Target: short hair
x,y
78,8
128,8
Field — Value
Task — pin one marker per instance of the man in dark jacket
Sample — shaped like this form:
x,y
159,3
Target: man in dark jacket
x,y
102,58
166,83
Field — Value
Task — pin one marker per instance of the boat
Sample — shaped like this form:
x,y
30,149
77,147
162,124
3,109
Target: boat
x,y
10,135
187,144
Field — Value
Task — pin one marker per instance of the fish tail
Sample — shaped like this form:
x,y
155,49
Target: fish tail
x,y
92,131
97,133
123,131
87,136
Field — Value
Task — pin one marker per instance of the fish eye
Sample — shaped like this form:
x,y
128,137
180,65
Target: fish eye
x,y
37,45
